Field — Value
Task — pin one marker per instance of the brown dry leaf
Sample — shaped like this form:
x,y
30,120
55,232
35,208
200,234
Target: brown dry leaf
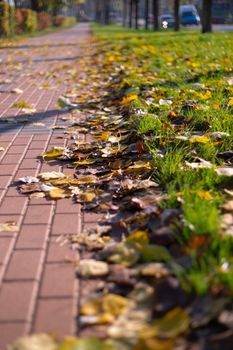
x,y
2,149
30,187
154,344
156,270
92,268
9,226
228,206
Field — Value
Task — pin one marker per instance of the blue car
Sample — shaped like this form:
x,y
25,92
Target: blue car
x,y
189,15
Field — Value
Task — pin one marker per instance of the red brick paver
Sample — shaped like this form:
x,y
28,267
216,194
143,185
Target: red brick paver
x,y
38,286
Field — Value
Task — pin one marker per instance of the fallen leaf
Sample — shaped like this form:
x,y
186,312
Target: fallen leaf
x,y
224,171
9,226
57,193
106,308
84,344
2,149
34,342
51,175
17,91
173,324
92,268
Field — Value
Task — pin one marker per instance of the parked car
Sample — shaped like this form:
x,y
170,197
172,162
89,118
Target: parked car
x,y
166,21
189,15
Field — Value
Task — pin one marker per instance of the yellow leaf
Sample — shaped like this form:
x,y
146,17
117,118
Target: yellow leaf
x,y
57,193
127,99
204,195
2,149
87,197
230,102
53,153
107,307
199,139
138,238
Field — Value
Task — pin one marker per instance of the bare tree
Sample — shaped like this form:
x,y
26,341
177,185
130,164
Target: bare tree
x,y
130,13
176,15
136,13
125,8
207,16
146,16
156,14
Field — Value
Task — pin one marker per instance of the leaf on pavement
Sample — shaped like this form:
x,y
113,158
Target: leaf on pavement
x,y
9,226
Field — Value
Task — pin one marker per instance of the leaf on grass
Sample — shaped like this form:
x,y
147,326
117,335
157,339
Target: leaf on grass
x,y
228,206
51,175
106,308
128,99
34,342
230,102
92,268
9,226
224,171
199,139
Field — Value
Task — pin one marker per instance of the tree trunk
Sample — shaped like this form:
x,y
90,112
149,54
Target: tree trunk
x,y
136,14
156,14
176,15
130,13
207,16
146,17
106,12
125,6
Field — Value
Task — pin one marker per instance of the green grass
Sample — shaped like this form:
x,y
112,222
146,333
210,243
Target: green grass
x,y
180,67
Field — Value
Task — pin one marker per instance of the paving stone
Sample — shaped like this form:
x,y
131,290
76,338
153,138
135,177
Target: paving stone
x,y
10,332
25,265
58,280
16,300
33,237
56,316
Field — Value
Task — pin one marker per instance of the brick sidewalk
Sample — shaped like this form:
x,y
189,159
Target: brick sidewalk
x,y
38,288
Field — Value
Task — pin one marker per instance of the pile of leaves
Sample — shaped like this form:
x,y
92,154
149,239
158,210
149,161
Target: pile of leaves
x,y
158,167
